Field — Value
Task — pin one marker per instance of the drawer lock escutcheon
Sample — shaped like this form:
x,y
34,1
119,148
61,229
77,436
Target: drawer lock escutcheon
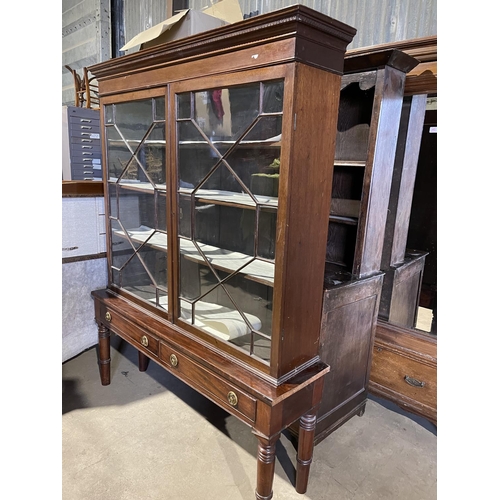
x,y
414,382
108,316
232,398
173,360
144,341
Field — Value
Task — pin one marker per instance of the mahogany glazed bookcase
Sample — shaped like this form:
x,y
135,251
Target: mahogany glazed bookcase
x,y
218,151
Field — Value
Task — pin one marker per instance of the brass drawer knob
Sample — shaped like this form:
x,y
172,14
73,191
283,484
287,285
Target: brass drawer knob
x,y
107,316
144,341
232,398
173,360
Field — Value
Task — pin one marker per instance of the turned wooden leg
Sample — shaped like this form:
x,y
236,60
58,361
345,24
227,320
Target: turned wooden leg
x,y
143,362
266,454
305,450
104,354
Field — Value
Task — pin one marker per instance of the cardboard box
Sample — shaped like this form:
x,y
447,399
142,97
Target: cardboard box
x,y
187,22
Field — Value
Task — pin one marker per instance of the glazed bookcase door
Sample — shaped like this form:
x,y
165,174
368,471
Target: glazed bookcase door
x,y
227,172
137,197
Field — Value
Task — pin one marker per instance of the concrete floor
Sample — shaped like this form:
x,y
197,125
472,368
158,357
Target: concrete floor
x,y
148,436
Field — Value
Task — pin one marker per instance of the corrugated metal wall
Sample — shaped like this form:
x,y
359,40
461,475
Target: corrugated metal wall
x,y
377,21
139,15
86,39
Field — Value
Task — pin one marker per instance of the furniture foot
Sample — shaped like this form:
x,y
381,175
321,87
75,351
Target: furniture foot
x,y
361,411
104,353
143,362
266,454
305,450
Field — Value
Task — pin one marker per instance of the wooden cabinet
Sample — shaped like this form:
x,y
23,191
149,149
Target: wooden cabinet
x,y
404,364
218,183
369,112
405,369
403,267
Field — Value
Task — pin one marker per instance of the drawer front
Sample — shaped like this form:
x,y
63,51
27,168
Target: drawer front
x,y
86,147
85,140
221,392
81,169
76,113
85,176
130,331
85,159
405,376
83,135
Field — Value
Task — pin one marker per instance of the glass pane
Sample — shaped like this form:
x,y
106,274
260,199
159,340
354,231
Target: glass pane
x,y
155,262
122,248
255,343
151,156
109,114
273,97
228,166
253,292
159,109
215,313
266,234
196,158
227,228
197,278
113,200
136,209
225,114
161,210
184,105
133,119
185,215
118,153
137,280
137,197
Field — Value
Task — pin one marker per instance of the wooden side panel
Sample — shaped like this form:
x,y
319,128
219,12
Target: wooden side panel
x,y
379,168
308,187
405,298
401,293
347,335
405,170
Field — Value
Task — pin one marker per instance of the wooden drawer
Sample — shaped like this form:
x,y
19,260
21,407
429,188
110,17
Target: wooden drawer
x,y
414,381
218,390
131,332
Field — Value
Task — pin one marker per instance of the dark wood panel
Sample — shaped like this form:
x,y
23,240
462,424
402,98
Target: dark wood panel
x,y
403,180
76,189
346,344
309,171
380,162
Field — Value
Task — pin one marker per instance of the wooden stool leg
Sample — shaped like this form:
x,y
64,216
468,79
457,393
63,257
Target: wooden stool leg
x,y
305,450
104,354
266,454
143,362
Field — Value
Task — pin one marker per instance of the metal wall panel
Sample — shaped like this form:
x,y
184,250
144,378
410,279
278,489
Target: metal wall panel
x,y
377,21
139,15
86,39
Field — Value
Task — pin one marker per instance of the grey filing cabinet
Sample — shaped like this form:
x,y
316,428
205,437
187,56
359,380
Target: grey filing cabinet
x,y
82,156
